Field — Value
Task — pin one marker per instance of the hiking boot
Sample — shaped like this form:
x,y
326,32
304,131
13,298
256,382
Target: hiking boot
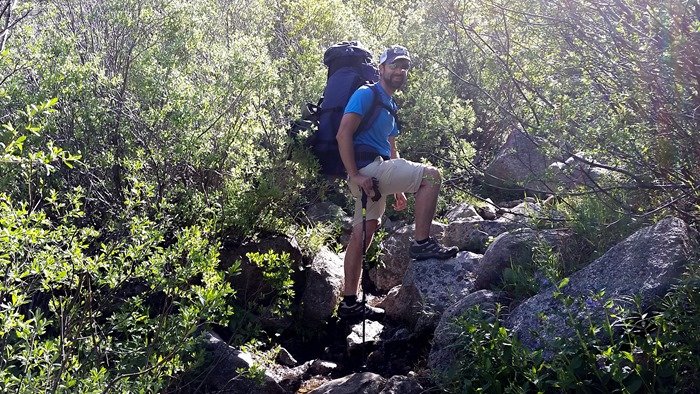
x,y
355,311
431,249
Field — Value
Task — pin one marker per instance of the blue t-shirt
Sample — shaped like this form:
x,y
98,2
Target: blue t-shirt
x,y
376,136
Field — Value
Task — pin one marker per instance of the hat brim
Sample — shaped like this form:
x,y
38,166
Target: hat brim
x,y
393,60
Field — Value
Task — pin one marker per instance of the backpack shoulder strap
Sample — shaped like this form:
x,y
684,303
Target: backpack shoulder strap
x,y
373,113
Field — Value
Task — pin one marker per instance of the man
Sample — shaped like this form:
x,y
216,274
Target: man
x,y
372,154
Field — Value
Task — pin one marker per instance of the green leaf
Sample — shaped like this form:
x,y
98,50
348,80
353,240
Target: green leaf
x,y
563,283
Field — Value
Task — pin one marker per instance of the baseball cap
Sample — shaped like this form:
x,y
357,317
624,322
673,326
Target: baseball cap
x,y
394,53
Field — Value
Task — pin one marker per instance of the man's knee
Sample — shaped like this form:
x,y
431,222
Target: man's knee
x,y
431,177
370,226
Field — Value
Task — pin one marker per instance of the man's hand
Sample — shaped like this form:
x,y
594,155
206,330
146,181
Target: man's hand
x,y
365,183
400,202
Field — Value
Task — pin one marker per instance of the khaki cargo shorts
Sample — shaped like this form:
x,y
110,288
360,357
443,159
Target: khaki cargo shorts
x,y
394,176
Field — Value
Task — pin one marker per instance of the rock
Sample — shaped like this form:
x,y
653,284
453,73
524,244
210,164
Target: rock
x,y
373,331
430,286
525,213
461,212
514,203
515,248
518,163
250,285
290,379
402,385
221,365
391,302
324,283
359,383
397,353
646,264
474,235
269,320
487,211
574,172
442,352
325,212
395,256
321,367
392,225
285,358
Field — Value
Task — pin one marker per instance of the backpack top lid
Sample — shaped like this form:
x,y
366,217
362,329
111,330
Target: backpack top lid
x,y
344,50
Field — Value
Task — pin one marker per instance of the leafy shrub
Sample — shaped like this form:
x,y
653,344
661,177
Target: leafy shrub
x,y
633,350
596,220
277,273
524,279
82,314
87,309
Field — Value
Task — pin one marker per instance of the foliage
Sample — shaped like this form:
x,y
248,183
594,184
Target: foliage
x,y
26,166
158,131
374,253
81,314
523,279
312,239
597,221
86,309
632,350
277,271
579,75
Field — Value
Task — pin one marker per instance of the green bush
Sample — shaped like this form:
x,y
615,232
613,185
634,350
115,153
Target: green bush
x,y
82,311
597,222
633,350
277,273
86,309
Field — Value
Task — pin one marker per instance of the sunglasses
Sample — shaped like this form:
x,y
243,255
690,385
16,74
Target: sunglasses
x,y
402,65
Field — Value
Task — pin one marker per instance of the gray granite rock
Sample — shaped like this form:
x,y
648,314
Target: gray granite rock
x,y
324,283
645,265
442,352
395,257
359,383
429,287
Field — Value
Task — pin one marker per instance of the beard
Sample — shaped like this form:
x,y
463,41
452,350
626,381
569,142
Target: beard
x,y
395,82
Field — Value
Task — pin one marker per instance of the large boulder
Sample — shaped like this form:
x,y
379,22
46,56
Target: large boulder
x,y
516,248
395,257
462,211
222,365
429,287
359,383
518,163
250,284
473,234
324,283
442,353
646,265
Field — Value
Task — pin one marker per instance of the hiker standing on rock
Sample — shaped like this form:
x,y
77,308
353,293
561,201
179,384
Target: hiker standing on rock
x,y
372,155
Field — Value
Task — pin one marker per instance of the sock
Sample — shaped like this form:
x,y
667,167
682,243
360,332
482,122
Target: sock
x,y
351,299
421,242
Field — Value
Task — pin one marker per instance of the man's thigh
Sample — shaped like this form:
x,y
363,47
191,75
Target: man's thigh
x,y
399,176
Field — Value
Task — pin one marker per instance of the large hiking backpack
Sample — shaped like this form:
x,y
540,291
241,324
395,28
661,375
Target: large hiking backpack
x,y
349,67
